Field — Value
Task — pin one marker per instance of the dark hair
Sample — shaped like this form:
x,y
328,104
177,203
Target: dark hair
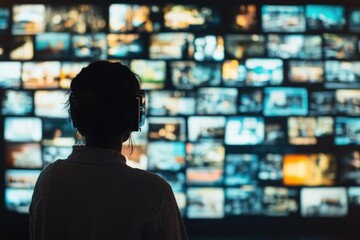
x,y
101,99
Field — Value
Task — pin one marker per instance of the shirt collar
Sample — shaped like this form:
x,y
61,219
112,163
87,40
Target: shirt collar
x,y
92,155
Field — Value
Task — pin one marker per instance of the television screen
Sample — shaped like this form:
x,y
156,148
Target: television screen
x,y
166,102
152,73
171,46
348,102
306,71
244,200
4,19
350,168
205,154
209,47
250,101
340,46
234,73
52,153
22,129
50,104
206,128
324,202
28,19
294,46
275,132
190,17
262,72
342,74
284,101
18,200
21,48
214,101
270,167
166,128
168,156
244,130
133,17
205,202
244,17
281,18
241,169
16,178
240,46
354,199
52,46
40,74
2,49
325,17
204,176
58,132
309,130
322,103
280,201
347,131
125,45
309,170
89,46
190,74
80,18
23,155
354,20
17,103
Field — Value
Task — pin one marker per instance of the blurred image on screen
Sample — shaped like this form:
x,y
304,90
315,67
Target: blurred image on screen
x,y
340,46
244,130
21,48
240,46
241,169
152,73
306,71
280,201
202,128
125,45
89,46
322,103
244,200
350,166
28,19
216,101
23,155
40,74
4,19
281,18
270,167
250,101
52,46
244,18
22,129
348,102
347,131
166,128
205,202
171,46
17,103
325,17
166,156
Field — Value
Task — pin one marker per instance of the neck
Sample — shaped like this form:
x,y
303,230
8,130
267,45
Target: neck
x,y
112,144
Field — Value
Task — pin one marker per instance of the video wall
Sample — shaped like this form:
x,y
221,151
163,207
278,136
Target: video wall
x,y
251,109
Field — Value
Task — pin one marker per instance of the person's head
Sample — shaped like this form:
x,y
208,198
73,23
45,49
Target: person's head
x,y
101,101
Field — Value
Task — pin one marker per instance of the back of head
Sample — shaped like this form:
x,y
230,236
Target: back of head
x,y
102,98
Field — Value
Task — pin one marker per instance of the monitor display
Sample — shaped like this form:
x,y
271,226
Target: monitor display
x,y
354,20
191,74
52,45
168,156
171,46
214,101
306,71
23,155
50,104
294,46
281,18
261,72
134,18
57,132
275,132
322,103
22,129
80,18
17,103
53,153
190,17
234,73
40,75
309,170
89,46
68,71
280,201
324,202
244,17
209,48
28,19
125,45
21,178
347,131
4,19
18,200
348,102
241,169
166,128
244,130
244,200
152,73
325,17
284,101
250,101
342,74
166,102
340,46
350,167
240,46
21,48
270,167
203,128
205,202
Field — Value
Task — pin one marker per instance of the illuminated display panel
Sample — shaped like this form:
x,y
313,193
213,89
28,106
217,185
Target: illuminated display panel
x,y
283,79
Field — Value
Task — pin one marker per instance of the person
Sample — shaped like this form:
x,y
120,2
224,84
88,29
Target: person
x,y
93,194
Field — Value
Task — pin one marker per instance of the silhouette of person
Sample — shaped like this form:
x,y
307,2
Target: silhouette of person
x,y
93,194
